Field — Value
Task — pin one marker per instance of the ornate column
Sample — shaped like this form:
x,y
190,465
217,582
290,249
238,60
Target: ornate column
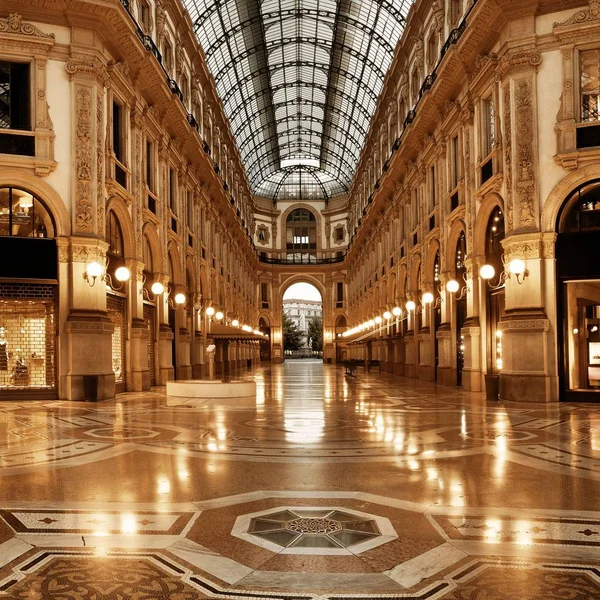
x,y
88,330
528,366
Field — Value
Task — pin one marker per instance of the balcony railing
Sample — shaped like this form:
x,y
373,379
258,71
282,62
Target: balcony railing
x,y
305,260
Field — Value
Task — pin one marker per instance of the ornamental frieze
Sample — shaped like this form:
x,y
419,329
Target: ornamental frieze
x,y
14,24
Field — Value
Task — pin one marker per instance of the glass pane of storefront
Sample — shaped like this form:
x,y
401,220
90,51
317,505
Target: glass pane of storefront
x,y
116,307
27,338
582,334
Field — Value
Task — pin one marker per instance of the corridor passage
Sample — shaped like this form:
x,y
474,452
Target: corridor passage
x,y
323,486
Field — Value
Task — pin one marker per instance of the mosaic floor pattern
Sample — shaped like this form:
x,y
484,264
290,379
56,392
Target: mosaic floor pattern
x,y
321,487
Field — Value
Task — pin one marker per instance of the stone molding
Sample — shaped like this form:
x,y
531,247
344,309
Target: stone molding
x,y
14,24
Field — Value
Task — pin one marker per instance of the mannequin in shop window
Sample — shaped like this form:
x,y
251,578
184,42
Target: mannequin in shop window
x,y
20,373
3,351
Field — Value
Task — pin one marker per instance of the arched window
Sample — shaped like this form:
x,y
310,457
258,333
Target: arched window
x,y
22,214
114,235
459,257
493,241
581,211
301,236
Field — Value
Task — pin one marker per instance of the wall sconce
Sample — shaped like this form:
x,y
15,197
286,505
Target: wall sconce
x,y
219,316
157,288
378,320
94,271
410,305
235,323
454,286
387,315
210,311
397,311
516,267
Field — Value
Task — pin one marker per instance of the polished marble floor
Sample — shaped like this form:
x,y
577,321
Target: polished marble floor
x,y
321,487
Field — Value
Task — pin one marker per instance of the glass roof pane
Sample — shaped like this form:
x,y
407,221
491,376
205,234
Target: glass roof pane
x,y
299,81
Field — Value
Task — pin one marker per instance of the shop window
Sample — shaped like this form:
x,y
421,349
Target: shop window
x,y
116,309
23,215
27,339
15,109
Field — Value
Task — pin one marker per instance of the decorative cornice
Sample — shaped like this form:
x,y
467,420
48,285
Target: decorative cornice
x,y
14,24
587,15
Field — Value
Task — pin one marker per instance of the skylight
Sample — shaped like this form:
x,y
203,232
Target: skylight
x,y
299,80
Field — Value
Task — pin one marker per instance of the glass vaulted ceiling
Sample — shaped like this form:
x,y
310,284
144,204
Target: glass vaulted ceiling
x,y
299,80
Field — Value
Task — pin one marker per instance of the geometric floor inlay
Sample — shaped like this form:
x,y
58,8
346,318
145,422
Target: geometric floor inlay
x,y
314,530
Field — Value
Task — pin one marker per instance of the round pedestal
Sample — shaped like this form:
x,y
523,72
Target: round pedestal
x,y
196,388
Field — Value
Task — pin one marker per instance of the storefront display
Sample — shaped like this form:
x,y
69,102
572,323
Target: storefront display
x,y
27,339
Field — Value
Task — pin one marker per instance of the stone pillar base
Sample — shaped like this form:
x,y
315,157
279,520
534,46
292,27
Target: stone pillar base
x,y
471,380
89,344
426,373
527,388
447,376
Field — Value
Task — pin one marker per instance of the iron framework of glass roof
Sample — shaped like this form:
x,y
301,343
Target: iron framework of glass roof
x,y
299,80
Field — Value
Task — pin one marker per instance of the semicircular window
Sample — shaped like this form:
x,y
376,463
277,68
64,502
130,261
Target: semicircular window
x,y
23,215
581,211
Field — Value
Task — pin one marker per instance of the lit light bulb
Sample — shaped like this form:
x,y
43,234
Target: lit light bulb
x,y
94,269
210,311
235,323
219,316
378,319
410,305
487,272
427,298
396,311
157,288
122,274
387,315
516,266
371,323
179,298
452,286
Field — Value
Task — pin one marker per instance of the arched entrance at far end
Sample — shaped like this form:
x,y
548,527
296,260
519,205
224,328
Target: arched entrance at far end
x,y
265,345
302,321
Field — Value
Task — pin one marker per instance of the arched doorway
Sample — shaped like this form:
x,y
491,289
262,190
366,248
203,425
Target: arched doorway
x,y
302,321
578,293
460,272
341,324
495,292
265,345
116,301
28,296
149,310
